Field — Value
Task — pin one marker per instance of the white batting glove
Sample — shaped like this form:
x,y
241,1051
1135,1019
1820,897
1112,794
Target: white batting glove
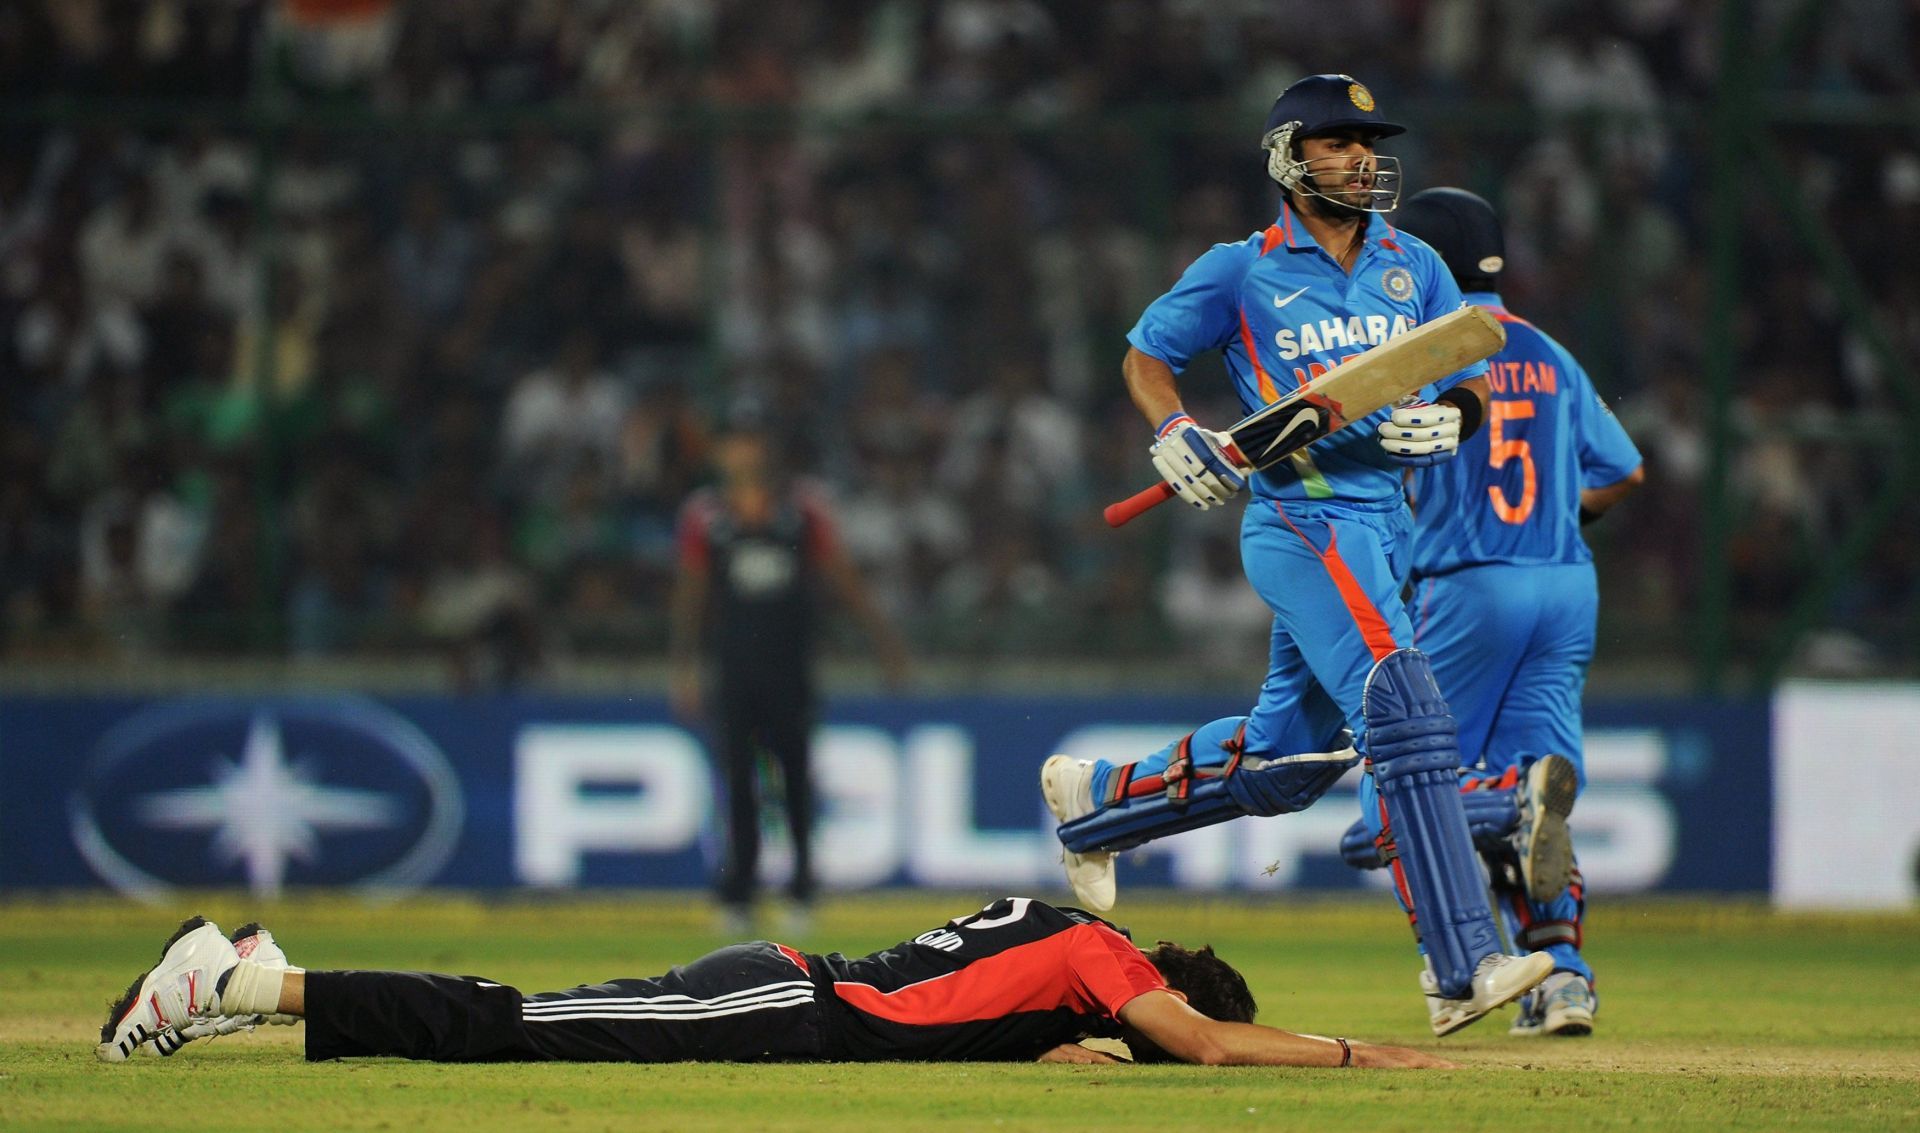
x,y
1421,434
1205,468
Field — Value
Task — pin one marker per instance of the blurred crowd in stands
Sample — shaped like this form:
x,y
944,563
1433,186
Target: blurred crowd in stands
x,y
331,328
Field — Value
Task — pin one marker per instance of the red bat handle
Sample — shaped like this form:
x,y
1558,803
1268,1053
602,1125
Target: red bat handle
x,y
1138,504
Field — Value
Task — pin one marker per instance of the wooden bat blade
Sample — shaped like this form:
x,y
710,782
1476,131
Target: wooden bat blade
x,y
1351,390
1367,383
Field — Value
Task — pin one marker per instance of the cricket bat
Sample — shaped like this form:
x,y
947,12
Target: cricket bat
x,y
1356,387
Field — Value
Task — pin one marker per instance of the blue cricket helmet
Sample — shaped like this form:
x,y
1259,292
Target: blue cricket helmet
x,y
1321,103
1462,227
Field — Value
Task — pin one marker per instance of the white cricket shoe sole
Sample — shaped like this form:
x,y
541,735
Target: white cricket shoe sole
x,y
180,989
1066,784
1544,842
1498,980
250,942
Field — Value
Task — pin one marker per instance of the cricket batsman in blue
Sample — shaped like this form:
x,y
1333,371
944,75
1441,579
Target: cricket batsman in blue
x,y
1326,541
1505,603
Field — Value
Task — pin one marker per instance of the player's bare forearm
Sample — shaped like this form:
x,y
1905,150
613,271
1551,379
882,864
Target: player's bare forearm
x,y
1596,501
1151,384
1169,1023
1252,1044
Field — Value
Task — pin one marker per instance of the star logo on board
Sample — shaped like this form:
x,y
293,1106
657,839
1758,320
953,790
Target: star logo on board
x,y
266,811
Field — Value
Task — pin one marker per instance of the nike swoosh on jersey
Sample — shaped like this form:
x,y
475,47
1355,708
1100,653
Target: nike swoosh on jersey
x,y
1278,301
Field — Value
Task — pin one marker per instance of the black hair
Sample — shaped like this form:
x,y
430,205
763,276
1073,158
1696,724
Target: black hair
x,y
1211,985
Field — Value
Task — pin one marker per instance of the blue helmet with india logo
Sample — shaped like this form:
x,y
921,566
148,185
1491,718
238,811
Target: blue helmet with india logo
x,y
1320,104
1326,104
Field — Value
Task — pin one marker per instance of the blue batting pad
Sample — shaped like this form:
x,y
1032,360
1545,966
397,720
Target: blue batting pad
x,y
1252,786
1415,751
1139,821
1289,783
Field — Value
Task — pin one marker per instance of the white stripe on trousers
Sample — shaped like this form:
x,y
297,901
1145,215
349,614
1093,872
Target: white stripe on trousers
x,y
767,997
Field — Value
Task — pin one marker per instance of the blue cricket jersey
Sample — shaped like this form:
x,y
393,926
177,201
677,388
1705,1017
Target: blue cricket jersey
x,y
1282,312
1513,493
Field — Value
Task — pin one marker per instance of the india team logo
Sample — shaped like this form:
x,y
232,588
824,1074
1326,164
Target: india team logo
x,y
1397,283
1361,96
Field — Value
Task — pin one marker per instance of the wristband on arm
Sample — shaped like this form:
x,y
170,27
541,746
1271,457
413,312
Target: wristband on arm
x,y
1174,421
1471,410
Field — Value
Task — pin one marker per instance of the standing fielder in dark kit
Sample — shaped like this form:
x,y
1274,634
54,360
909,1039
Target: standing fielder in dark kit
x,y
756,551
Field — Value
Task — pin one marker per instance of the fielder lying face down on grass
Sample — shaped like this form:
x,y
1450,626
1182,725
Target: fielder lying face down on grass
x,y
1016,981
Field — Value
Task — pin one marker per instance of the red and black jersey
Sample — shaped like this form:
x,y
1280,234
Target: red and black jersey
x,y
764,574
1009,982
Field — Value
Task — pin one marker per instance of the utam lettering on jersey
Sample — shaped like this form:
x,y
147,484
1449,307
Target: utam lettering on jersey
x,y
1526,377
1357,330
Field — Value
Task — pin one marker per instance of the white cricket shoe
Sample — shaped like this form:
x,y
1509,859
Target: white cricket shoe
x,y
1067,785
1563,1005
181,988
1498,980
250,942
1542,839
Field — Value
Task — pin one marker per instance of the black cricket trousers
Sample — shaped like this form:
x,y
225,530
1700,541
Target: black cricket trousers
x,y
780,721
744,1003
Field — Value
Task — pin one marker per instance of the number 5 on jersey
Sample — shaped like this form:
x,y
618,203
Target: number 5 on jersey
x,y
1501,450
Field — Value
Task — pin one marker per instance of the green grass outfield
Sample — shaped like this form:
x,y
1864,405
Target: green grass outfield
x,y
1713,1016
